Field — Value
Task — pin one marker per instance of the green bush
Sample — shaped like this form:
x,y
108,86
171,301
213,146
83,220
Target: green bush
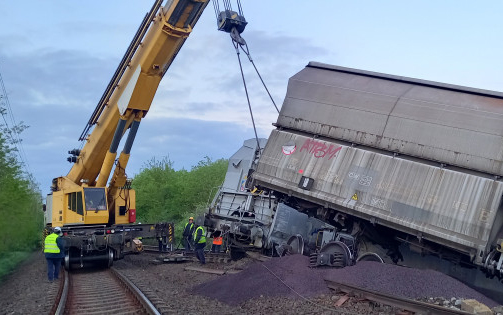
x,y
163,194
10,260
20,210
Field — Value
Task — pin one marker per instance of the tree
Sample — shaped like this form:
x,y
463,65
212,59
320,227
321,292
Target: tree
x,y
20,208
163,194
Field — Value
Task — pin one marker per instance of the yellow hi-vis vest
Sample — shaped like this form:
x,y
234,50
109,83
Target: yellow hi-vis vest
x,y
191,226
50,244
203,238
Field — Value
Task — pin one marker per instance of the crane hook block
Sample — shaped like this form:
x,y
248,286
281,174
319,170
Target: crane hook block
x,y
227,20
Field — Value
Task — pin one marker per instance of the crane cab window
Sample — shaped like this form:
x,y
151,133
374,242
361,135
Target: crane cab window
x,y
95,199
75,202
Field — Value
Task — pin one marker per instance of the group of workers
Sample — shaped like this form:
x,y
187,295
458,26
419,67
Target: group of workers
x,y
195,236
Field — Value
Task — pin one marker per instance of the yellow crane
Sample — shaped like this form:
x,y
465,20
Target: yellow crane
x,y
97,218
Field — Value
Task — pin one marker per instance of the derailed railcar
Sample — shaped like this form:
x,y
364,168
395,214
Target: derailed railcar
x,y
241,216
418,159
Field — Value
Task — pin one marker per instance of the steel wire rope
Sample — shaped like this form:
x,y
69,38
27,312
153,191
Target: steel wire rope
x,y
216,7
236,46
247,52
306,299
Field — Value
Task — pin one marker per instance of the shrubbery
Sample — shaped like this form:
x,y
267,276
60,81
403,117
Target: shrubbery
x,y
163,194
21,216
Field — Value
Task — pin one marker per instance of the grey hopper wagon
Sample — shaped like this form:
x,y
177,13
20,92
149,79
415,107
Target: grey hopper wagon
x,y
417,157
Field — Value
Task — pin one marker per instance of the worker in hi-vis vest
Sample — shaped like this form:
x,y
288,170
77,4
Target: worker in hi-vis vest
x,y
188,232
200,243
217,242
54,254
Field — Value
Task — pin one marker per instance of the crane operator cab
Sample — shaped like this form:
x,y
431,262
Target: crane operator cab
x,y
90,205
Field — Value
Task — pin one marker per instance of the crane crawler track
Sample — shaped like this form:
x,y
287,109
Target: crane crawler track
x,y
100,292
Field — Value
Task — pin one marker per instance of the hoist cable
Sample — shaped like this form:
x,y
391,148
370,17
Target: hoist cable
x,y
239,7
216,7
236,46
247,52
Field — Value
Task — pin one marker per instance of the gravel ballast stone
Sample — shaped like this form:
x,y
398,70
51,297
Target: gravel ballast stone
x,y
170,287
293,270
257,280
406,282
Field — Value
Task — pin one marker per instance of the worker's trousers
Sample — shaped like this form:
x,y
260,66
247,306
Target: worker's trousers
x,y
200,252
215,248
186,243
53,265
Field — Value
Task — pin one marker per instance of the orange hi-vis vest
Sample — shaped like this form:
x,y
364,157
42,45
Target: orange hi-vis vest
x,y
217,240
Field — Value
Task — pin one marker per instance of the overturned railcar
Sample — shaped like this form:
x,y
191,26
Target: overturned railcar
x,y
242,217
410,162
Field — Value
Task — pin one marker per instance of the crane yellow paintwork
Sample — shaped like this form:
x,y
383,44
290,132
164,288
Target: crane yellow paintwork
x,y
83,197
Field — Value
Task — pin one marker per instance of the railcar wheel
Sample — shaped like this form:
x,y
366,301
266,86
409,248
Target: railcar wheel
x,y
370,257
110,257
489,264
67,261
335,254
296,244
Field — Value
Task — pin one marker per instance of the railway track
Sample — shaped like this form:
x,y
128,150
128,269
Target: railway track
x,y
407,304
100,292
177,255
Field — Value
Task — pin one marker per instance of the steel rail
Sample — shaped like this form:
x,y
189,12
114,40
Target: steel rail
x,y
149,307
396,301
58,307
61,301
219,258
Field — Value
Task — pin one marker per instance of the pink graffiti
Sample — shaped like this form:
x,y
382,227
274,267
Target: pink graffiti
x,y
320,149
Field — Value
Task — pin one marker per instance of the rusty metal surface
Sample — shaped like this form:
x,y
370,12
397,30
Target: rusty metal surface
x,y
439,122
102,292
60,301
453,208
183,256
396,301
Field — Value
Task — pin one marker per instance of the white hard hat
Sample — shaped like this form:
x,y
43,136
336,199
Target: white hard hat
x,y
57,229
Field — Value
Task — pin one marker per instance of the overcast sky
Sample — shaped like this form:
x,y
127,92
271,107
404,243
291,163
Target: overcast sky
x,y
56,58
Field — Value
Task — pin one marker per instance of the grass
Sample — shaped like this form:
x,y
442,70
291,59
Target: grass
x,y
10,260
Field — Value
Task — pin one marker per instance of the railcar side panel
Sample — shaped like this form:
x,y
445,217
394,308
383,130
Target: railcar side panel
x,y
439,122
449,207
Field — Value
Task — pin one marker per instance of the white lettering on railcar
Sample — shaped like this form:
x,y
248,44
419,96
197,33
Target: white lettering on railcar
x,y
458,205
363,180
378,203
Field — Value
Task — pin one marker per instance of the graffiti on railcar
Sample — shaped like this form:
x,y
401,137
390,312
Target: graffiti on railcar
x,y
319,149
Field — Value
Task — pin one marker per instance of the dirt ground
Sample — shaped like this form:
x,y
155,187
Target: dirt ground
x,y
170,286
27,290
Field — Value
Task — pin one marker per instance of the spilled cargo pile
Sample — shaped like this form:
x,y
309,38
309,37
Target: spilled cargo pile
x,y
257,280
406,282
261,279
